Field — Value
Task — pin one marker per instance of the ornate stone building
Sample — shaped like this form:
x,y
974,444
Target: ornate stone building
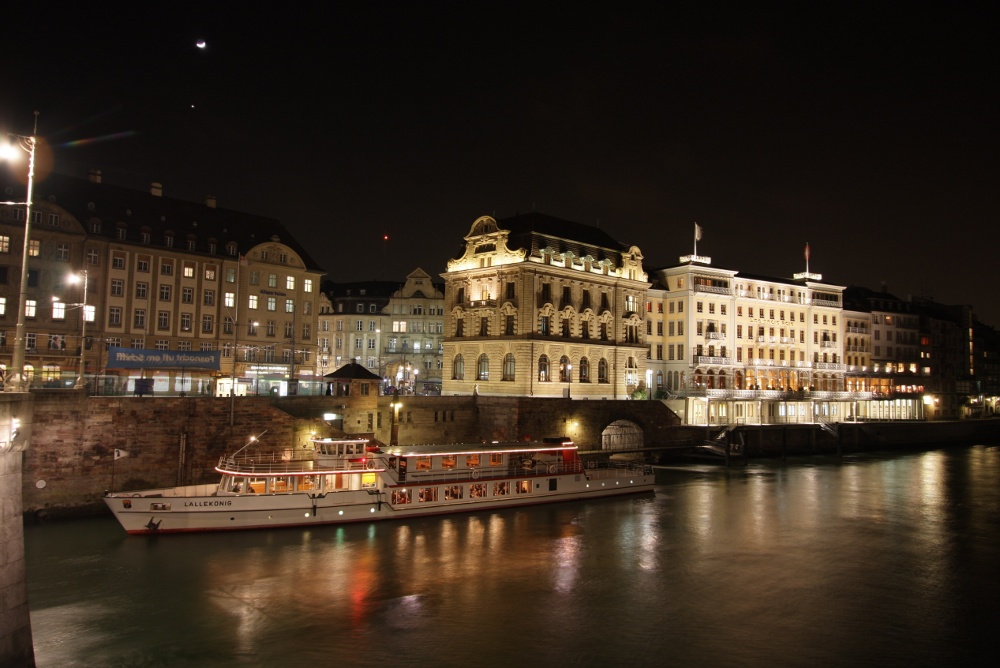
x,y
538,306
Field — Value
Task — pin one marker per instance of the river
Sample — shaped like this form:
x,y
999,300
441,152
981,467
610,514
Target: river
x,y
878,559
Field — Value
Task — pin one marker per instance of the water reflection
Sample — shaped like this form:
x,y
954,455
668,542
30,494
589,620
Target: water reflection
x,y
876,559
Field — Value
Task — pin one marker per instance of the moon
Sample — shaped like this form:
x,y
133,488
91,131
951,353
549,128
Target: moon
x,y
200,44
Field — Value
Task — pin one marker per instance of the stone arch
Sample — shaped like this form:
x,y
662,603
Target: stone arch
x,y
622,435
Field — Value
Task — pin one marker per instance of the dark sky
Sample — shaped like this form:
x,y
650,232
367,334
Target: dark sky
x,y
870,134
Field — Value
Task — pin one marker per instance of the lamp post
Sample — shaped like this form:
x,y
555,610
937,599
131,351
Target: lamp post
x,y
569,381
81,382
15,380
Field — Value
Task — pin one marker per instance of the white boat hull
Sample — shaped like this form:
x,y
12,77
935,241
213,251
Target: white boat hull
x,y
198,508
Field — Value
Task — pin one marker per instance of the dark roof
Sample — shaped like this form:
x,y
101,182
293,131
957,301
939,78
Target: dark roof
x,y
86,199
534,231
373,289
352,371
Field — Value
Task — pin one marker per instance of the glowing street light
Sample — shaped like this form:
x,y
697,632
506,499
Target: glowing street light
x,y
16,380
81,382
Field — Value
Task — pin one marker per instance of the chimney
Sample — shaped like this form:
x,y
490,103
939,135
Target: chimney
x,y
95,176
156,189
210,201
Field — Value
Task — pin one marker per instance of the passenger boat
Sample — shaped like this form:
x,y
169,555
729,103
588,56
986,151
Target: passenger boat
x,y
346,480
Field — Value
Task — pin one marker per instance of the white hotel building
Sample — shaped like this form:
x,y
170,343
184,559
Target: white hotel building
x,y
733,348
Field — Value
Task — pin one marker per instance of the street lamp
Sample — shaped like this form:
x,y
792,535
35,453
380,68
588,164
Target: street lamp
x,y
569,381
15,380
81,382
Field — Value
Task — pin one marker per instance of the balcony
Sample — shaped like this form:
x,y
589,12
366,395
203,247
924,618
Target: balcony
x,y
715,290
831,366
706,359
715,336
828,344
480,303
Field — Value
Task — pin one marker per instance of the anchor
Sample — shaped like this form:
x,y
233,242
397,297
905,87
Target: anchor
x,y
153,526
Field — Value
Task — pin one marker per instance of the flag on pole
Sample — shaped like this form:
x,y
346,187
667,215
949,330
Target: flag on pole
x,y
807,251
243,260
120,454
697,232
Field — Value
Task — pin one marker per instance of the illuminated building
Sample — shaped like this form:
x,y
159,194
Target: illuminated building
x,y
394,330
163,274
734,347
538,306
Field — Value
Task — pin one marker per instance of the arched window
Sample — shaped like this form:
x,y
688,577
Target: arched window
x,y
602,371
508,366
543,368
584,370
565,370
458,368
483,367
659,380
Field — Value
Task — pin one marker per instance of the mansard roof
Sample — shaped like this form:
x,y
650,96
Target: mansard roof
x,y
141,211
536,231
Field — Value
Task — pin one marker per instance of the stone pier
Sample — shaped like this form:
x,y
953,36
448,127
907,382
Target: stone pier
x,y
15,624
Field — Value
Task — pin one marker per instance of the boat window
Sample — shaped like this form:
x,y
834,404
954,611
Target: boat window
x,y
258,486
472,461
477,490
368,481
496,459
448,461
552,484
453,492
281,485
306,482
423,463
501,488
523,486
159,506
428,494
400,496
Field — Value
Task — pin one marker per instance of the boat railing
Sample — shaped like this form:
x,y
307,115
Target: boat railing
x,y
485,473
610,470
266,463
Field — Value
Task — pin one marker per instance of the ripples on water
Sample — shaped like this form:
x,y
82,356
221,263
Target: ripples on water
x,y
875,560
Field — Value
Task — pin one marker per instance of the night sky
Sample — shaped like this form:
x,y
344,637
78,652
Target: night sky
x,y
870,134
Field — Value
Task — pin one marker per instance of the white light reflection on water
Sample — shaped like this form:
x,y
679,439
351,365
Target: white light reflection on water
x,y
882,559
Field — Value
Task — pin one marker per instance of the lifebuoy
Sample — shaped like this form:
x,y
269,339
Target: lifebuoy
x,y
476,473
370,464
552,468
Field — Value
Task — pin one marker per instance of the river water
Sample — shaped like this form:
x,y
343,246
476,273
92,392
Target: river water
x,y
884,559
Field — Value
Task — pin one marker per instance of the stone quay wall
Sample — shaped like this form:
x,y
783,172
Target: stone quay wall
x,y
178,440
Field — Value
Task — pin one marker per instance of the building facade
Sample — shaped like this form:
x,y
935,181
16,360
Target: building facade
x,y
161,274
394,330
538,306
730,347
